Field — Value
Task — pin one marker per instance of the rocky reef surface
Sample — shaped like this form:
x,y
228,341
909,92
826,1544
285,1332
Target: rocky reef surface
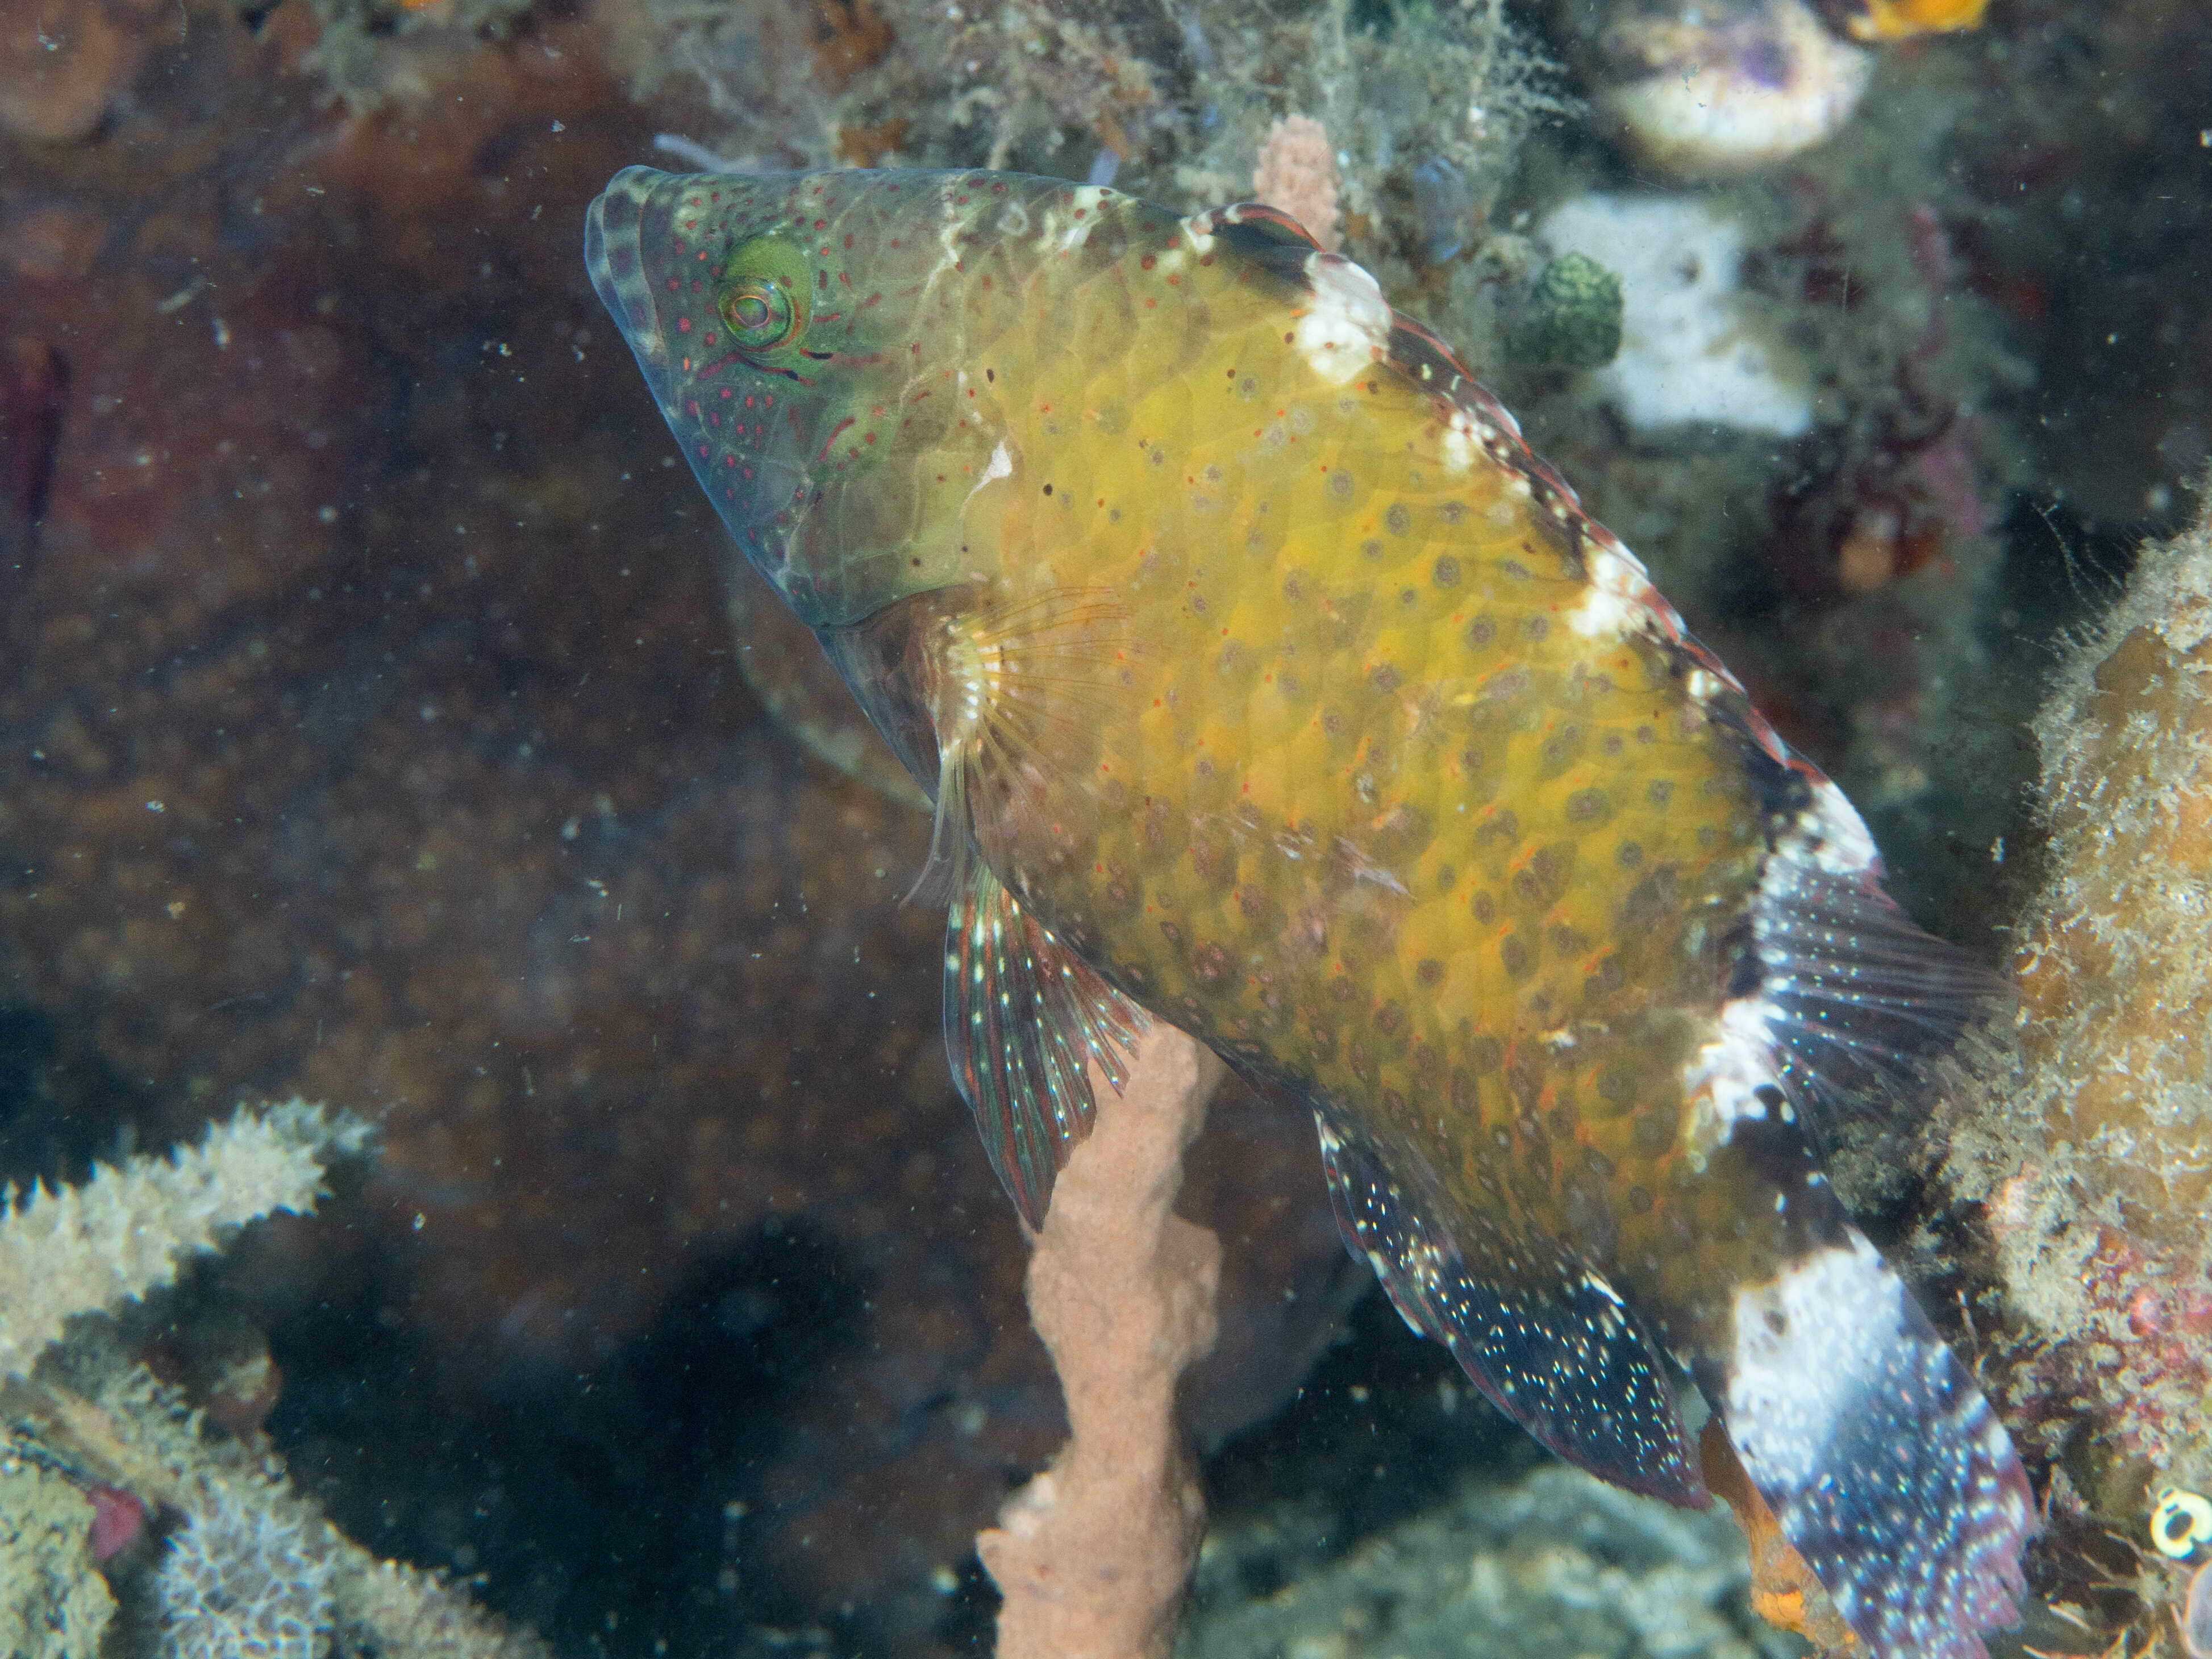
x,y
374,726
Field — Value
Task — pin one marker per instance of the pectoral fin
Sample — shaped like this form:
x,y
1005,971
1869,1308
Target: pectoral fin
x,y
1021,1016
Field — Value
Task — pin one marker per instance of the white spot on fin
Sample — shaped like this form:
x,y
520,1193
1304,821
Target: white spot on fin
x,y
1617,603
1347,326
1807,1344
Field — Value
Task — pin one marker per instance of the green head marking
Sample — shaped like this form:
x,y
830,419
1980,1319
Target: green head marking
x,y
808,338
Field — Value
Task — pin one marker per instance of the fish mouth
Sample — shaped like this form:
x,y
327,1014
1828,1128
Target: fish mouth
x,y
614,254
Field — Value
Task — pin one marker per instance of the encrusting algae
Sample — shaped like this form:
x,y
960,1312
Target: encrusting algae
x,y
2091,1146
1266,682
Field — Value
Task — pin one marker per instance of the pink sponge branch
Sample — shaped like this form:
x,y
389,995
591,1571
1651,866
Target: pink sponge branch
x,y
1093,1556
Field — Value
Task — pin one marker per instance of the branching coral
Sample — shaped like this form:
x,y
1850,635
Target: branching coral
x,y
51,1605
88,1248
243,1579
255,1568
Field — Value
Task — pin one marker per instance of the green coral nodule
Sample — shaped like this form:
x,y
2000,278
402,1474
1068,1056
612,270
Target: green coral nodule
x,y
1574,316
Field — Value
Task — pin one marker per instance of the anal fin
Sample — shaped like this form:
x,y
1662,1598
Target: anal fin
x,y
1022,1013
1545,1338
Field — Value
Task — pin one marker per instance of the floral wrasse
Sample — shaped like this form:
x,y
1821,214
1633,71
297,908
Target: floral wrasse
x,y
1266,682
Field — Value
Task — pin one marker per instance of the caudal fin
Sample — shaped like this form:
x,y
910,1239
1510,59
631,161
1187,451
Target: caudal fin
x,y
1884,1466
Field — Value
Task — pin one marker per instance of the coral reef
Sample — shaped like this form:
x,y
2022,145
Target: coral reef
x,y
350,554
253,1568
1555,1566
1175,105
1707,91
241,1579
52,1606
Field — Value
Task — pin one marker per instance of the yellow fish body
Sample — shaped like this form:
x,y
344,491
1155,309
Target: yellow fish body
x,y
1265,681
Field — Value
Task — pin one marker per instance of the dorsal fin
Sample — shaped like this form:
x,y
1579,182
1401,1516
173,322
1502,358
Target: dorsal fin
x,y
1544,1337
1021,1015
1271,224
1848,998
1265,236
1861,999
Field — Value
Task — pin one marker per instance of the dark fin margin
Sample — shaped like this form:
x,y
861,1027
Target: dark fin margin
x,y
1271,239
1021,1016
1253,227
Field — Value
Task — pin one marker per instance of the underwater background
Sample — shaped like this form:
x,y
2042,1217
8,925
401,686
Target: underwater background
x,y
383,722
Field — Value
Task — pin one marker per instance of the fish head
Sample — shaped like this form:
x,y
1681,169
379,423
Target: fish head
x,y
816,342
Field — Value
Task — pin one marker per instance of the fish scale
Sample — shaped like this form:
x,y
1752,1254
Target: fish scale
x,y
1265,682
1388,760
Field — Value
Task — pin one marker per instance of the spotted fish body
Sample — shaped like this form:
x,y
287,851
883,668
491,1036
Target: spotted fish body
x,y
1266,682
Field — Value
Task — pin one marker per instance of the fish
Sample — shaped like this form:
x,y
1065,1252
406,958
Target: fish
x,y
1265,683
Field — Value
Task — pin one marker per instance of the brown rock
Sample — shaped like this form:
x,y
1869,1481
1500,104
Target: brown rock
x,y
62,63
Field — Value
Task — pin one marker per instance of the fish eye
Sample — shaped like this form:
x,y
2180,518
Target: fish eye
x,y
749,311
762,296
759,312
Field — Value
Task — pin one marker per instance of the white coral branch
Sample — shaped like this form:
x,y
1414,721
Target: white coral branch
x,y
86,1249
